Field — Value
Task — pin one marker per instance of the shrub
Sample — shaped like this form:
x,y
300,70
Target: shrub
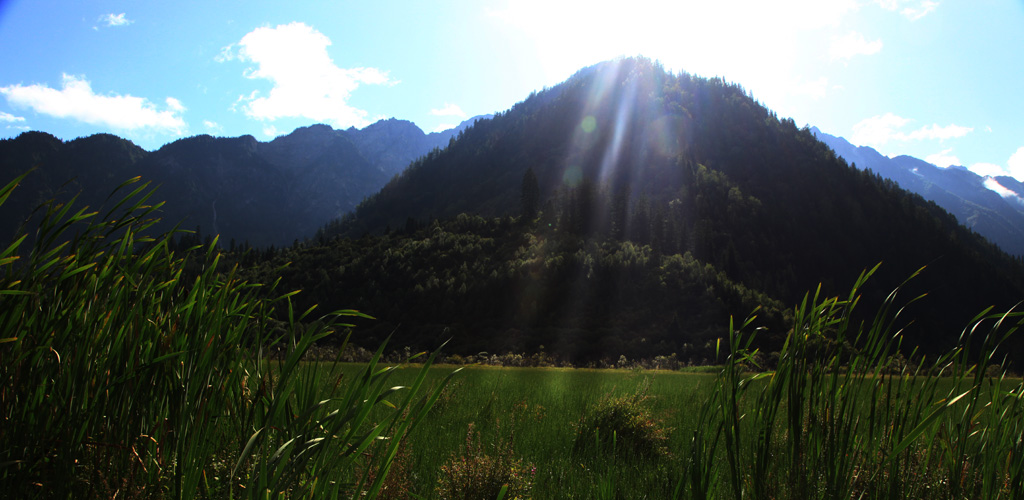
x,y
479,473
398,483
622,426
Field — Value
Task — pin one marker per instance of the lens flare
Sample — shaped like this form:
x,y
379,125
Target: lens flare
x,y
588,124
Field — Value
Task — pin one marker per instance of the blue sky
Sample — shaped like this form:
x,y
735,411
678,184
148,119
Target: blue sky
x,y
941,80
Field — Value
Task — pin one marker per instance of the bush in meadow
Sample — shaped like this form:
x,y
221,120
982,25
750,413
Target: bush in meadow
x,y
623,426
480,471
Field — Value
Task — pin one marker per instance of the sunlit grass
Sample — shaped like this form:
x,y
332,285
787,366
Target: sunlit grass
x,y
124,372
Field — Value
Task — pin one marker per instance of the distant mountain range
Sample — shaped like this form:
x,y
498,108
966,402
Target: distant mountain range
x,y
991,206
263,193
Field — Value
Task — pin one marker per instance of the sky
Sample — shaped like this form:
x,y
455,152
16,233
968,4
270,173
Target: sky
x,y
941,80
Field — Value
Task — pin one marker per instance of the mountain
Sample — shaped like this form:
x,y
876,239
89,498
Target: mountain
x,y
992,207
263,193
393,144
682,166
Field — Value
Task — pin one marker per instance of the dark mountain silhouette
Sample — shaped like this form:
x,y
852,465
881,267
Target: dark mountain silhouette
x,y
263,193
392,144
961,192
626,152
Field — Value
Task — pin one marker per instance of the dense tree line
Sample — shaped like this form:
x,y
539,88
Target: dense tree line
x,y
502,284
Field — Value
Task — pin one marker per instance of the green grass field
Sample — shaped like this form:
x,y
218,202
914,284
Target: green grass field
x,y
535,416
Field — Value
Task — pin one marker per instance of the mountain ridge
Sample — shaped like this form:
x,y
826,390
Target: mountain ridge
x,y
963,193
263,193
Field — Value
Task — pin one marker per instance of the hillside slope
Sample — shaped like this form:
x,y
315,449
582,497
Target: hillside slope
x,y
627,151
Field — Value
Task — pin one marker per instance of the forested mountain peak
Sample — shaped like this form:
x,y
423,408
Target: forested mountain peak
x,y
625,150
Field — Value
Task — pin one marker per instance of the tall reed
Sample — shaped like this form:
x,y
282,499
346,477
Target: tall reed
x,y
123,373
838,418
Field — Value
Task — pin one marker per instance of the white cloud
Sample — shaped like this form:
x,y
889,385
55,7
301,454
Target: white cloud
x,y
987,169
934,131
449,110
878,130
920,10
174,105
270,131
852,44
1001,190
76,100
1015,165
112,20
212,126
306,82
9,118
943,159
442,127
226,54
910,9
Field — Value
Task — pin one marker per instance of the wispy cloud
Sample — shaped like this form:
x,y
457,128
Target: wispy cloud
x,y
113,20
174,105
879,130
910,9
1001,190
943,159
77,101
306,81
449,110
920,10
9,118
442,127
226,54
852,44
934,131
212,126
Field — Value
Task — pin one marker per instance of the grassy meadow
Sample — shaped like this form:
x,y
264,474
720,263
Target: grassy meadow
x,y
541,422
531,417
127,371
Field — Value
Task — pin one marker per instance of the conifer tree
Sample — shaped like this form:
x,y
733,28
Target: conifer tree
x,y
530,195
